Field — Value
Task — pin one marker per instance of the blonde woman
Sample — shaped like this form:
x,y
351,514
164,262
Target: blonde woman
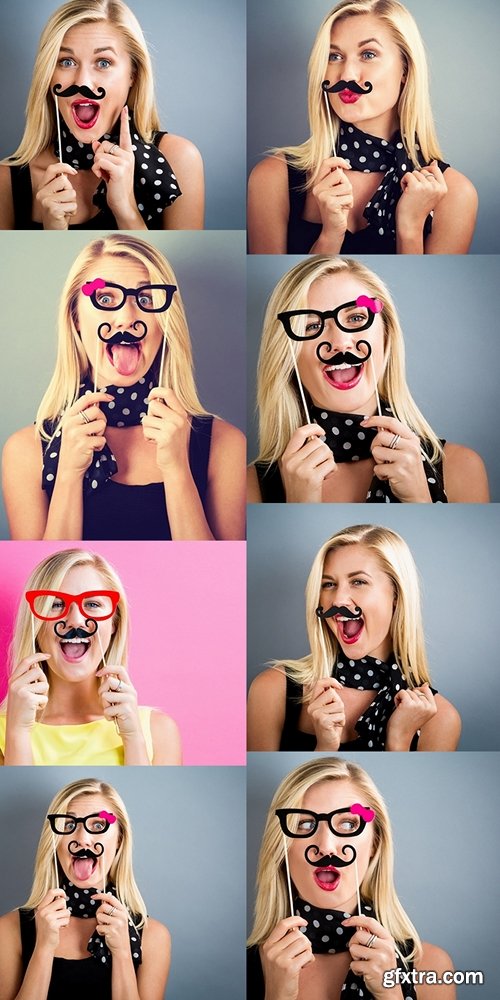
x,y
371,177
365,685
92,155
71,699
328,946
126,447
84,930
337,422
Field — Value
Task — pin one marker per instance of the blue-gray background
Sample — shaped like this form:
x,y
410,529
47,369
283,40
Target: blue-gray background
x,y
198,53
460,42
445,813
457,552
189,859
210,270
448,313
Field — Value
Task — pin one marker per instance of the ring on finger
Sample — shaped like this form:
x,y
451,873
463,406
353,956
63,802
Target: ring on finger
x,y
395,440
119,685
84,417
112,148
371,941
111,911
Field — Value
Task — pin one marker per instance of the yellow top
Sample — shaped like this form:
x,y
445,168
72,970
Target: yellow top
x,y
90,743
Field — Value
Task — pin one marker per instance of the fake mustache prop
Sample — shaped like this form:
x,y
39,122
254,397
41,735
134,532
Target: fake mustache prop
x,y
346,357
122,338
83,90
86,852
335,610
330,860
351,85
76,633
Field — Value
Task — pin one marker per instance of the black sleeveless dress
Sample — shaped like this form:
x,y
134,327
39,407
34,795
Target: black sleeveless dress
x,y
78,979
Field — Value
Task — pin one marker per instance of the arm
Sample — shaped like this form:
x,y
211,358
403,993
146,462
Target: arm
x,y
253,486
435,959
226,507
266,710
153,973
187,211
268,206
166,739
451,197
465,479
454,216
7,218
442,732
51,916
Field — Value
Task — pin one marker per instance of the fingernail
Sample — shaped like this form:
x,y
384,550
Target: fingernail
x,y
322,437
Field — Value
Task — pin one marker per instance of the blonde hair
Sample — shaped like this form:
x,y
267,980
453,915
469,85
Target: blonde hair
x,y
49,575
72,362
407,631
377,887
414,107
278,400
40,128
121,872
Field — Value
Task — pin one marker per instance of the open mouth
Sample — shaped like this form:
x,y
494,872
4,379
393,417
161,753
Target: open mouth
x,y
327,878
74,649
84,868
125,357
85,113
343,376
350,629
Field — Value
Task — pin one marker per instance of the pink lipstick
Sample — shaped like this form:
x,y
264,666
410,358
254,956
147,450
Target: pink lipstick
x,y
327,878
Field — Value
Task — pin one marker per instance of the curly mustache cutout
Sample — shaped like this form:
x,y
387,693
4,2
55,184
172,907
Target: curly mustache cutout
x,y
83,90
330,860
351,85
336,610
76,633
122,337
346,357
86,852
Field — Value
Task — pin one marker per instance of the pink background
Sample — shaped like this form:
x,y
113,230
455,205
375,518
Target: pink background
x,y
187,649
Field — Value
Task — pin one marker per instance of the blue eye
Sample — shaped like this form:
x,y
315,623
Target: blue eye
x,y
334,57
103,63
369,55
66,62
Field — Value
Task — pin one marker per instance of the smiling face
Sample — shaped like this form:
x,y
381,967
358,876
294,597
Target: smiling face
x,y
330,887
344,389
87,872
353,576
93,55
121,364
77,660
363,49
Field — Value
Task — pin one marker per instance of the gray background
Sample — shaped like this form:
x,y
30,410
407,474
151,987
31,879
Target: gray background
x,y
457,552
189,859
445,812
210,269
449,317
198,53
458,40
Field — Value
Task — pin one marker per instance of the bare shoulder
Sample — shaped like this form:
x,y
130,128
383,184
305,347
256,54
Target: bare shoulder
x,y
7,218
166,739
10,931
465,476
270,682
226,437
22,449
269,178
267,709
435,958
442,732
181,153
461,188
254,494
447,712
268,206
156,935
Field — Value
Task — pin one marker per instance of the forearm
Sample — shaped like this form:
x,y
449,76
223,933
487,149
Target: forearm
x,y
38,975
135,751
123,978
17,746
328,243
185,510
131,219
410,241
65,517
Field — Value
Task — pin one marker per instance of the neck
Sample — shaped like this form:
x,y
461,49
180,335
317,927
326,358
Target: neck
x,y
382,127
72,704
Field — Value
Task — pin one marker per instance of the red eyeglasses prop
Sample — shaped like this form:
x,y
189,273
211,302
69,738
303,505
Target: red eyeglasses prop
x,y
52,605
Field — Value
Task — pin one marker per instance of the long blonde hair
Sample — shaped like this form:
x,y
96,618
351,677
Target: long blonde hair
x,y
278,400
407,631
377,887
49,575
121,872
414,108
72,362
40,129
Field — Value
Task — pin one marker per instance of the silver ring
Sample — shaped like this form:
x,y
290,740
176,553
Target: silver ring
x,y
84,417
394,442
113,147
371,941
119,685
111,911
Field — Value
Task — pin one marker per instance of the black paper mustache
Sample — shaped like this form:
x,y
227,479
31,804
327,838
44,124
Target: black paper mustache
x,y
76,633
86,852
83,90
344,357
351,85
335,610
330,860
122,337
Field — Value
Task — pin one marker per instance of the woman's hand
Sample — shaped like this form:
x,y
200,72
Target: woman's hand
x,y
83,427
422,192
115,164
167,423
28,692
413,709
284,954
372,962
400,464
334,197
56,196
112,923
50,916
119,700
305,465
326,710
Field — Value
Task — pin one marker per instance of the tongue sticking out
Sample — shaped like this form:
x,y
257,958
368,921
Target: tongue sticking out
x,y
125,358
74,650
83,868
352,628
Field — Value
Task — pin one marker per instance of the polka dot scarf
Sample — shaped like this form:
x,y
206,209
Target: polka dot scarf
x,y
369,154
155,185
81,905
350,442
328,937
127,410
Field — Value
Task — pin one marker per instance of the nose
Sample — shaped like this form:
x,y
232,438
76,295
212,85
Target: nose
x,y
74,616
351,69
128,313
326,840
340,340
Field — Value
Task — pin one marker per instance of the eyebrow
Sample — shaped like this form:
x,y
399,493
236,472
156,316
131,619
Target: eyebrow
x,y
105,48
365,42
358,572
